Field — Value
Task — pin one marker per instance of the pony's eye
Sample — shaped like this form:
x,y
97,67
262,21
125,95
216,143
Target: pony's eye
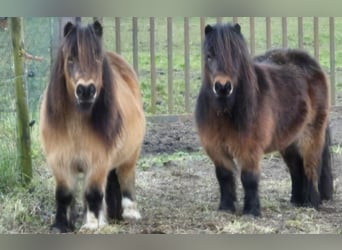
x,y
209,58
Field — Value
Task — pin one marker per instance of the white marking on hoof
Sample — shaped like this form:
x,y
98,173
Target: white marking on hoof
x,y
92,223
130,210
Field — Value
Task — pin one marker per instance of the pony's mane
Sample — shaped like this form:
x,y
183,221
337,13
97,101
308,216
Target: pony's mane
x,y
226,43
106,116
83,43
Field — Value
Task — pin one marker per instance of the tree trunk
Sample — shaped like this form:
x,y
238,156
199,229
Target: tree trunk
x,y
23,128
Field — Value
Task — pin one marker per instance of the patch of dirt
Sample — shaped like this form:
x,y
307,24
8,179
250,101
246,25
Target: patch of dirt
x,y
170,134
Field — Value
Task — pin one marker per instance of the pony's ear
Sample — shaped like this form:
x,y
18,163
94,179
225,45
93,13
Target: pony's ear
x,y
98,28
237,28
67,28
208,29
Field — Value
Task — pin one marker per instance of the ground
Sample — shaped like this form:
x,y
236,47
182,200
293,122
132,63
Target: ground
x,y
179,193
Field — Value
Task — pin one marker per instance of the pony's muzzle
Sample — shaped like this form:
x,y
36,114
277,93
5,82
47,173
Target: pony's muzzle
x,y
86,93
223,90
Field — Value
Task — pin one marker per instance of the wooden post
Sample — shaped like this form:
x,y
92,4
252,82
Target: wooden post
x,y
135,45
23,128
153,66
332,61
169,65
187,64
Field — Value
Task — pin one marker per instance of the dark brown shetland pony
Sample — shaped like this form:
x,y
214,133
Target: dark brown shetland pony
x,y
247,107
92,122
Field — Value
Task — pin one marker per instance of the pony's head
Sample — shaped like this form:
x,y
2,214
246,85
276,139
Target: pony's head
x,y
82,59
229,75
225,55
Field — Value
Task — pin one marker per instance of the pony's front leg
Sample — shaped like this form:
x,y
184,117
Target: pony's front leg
x,y
95,216
250,173
64,194
226,179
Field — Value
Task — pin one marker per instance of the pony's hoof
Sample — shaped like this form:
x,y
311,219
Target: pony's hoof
x,y
311,204
297,200
255,211
59,228
227,208
93,223
130,210
312,200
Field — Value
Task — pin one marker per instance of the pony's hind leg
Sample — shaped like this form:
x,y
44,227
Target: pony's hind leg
x,y
325,184
311,151
294,162
126,177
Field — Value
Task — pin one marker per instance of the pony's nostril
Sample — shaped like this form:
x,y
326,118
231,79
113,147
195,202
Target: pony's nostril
x,y
217,87
228,87
92,90
80,91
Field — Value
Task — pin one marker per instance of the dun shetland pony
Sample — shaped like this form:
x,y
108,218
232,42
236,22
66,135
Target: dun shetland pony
x,y
247,107
92,122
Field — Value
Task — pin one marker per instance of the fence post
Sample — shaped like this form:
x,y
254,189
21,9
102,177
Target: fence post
x,y
135,44
187,64
268,33
170,65
117,35
252,35
332,61
316,42
23,128
284,31
300,33
153,66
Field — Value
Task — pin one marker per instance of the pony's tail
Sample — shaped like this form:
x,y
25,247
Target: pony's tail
x,y
325,184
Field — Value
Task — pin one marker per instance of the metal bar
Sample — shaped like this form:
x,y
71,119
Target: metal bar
x,y
235,19
135,44
153,66
187,64
117,35
219,19
170,65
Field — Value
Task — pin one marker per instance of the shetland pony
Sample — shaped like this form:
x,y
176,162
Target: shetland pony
x,y
92,122
247,107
